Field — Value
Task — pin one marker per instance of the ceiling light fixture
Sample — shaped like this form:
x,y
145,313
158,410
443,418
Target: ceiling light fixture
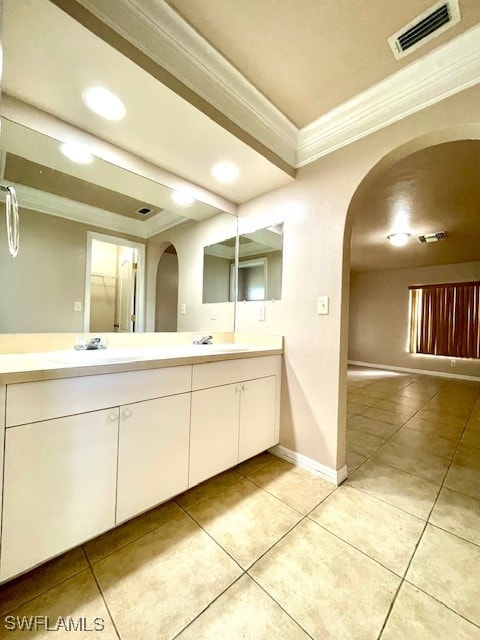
x,y
76,153
183,198
225,172
399,239
104,103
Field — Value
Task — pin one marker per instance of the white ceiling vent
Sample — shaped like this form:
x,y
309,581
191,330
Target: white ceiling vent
x,y
440,17
433,237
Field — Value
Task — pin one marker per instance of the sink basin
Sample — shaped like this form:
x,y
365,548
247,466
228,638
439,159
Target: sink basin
x,y
117,354
220,347
94,356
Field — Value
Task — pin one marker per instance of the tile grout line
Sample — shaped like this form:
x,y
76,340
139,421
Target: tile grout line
x,y
404,579
440,602
92,573
40,593
279,605
208,606
408,566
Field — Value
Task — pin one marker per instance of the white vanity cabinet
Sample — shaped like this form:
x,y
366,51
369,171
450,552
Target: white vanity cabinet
x,y
232,422
152,453
59,486
84,454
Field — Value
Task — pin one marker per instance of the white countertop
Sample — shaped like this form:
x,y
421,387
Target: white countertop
x,y
68,363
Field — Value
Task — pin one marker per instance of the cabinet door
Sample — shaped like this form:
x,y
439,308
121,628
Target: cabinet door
x,y
214,431
257,416
59,486
152,454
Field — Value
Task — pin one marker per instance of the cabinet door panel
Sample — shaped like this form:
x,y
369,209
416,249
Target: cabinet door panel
x,y
214,432
59,486
257,417
153,453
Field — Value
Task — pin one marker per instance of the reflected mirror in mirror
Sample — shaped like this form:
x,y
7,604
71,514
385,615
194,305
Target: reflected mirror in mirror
x,y
219,271
52,284
260,264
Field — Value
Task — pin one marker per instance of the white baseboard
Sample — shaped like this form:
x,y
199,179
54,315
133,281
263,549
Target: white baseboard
x,y
439,374
334,476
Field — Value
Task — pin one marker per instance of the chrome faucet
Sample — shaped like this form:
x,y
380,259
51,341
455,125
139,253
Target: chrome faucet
x,y
202,340
84,344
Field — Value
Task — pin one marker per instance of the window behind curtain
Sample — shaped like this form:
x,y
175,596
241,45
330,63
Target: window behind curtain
x,y
445,319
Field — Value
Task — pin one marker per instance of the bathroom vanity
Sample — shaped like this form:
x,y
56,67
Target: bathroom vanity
x,y
89,447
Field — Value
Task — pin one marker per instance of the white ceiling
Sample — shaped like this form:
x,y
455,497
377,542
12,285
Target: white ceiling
x,y
189,106
62,58
309,56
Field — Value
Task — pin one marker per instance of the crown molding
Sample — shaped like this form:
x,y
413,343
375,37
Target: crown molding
x,y
449,69
54,205
155,29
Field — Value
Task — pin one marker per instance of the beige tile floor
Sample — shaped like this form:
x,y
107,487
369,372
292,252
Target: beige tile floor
x,y
268,550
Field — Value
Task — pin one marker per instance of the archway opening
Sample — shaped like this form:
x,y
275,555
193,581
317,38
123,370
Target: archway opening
x,y
430,184
166,299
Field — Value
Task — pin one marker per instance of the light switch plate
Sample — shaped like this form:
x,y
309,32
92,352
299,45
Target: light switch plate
x,y
183,309
77,306
322,305
213,313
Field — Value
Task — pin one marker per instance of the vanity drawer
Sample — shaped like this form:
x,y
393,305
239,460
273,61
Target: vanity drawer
x,y
35,401
215,374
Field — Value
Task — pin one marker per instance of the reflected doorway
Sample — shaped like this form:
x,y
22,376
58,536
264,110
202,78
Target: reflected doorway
x,y
166,304
114,285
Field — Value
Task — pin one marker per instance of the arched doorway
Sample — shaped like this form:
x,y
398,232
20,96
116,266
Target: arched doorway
x,y
166,301
379,319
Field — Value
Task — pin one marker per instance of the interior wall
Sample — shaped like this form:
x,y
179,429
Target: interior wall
x,y
166,293
189,240
315,263
39,286
216,278
379,316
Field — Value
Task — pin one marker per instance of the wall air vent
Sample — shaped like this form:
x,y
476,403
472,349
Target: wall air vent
x,y
433,237
144,211
440,17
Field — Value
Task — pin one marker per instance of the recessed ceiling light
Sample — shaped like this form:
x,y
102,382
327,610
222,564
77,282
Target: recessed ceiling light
x,y
104,103
183,198
76,153
399,239
225,172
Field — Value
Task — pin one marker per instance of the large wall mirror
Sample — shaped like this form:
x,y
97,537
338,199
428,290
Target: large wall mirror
x,y
101,248
260,265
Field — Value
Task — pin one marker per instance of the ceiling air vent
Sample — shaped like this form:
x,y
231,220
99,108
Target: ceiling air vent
x,y
433,237
440,17
144,211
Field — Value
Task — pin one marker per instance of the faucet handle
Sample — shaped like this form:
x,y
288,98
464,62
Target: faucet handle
x,y
80,343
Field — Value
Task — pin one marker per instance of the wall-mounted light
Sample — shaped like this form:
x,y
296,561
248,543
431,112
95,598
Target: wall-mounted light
x,y
104,103
399,239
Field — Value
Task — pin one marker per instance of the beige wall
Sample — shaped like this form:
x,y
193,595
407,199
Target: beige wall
x,y
314,211
39,286
216,278
189,239
166,302
379,316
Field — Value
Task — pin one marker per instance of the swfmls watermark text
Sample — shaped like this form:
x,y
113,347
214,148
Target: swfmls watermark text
x,y
46,623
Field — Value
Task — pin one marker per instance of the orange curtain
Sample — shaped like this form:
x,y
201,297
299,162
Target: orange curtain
x,y
445,320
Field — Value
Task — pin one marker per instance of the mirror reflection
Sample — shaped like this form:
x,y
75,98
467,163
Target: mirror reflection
x,y
219,271
146,275
260,264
